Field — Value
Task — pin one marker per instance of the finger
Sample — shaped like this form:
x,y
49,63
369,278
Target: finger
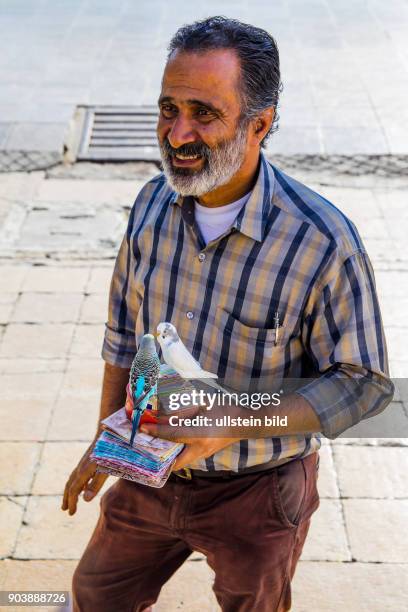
x,y
77,486
65,498
166,432
186,457
74,491
64,505
94,486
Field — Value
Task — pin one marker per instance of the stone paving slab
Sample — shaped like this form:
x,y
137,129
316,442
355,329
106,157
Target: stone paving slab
x,y
22,340
11,278
24,419
327,481
18,462
115,193
67,228
384,249
83,378
47,308
95,308
393,311
65,279
189,589
57,461
27,385
377,529
72,229
17,187
399,368
104,171
11,515
49,533
36,575
26,402
362,587
30,366
87,341
100,279
372,472
7,301
397,339
74,418
327,539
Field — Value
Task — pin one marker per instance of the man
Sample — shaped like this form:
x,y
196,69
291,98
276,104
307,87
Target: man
x,y
265,280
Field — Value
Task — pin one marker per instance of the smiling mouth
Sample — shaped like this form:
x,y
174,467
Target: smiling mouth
x,y
185,160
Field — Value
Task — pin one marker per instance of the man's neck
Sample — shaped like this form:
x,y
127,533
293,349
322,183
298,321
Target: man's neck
x,y
240,184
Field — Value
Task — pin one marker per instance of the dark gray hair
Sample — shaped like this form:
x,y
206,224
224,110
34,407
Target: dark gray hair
x,y
258,54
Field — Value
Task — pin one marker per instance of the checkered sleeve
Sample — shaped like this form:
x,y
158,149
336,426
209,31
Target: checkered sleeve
x,y
119,345
344,338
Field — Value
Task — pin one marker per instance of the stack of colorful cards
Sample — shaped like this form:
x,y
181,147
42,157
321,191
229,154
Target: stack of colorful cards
x,y
148,461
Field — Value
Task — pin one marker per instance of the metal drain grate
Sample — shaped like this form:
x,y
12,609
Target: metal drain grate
x,y
117,133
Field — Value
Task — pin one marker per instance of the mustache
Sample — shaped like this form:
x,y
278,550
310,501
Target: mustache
x,y
190,148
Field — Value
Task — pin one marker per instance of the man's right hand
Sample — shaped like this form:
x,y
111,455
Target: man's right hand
x,y
83,478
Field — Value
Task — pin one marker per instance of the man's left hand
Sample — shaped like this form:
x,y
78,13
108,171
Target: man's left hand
x,y
196,447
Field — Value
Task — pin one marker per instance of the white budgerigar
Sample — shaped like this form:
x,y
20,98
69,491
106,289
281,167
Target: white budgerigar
x,y
178,357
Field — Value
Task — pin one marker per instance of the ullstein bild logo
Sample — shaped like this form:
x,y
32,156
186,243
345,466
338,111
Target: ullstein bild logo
x,y
220,398
228,421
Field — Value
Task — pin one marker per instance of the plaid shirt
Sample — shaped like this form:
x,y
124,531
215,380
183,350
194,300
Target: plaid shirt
x,y
290,252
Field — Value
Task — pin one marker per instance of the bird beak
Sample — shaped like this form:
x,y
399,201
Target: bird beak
x,y
156,335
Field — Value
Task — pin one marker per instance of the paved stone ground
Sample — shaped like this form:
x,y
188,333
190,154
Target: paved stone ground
x,y
344,66
58,234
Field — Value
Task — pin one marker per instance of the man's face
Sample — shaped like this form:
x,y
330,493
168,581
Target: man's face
x,y
202,140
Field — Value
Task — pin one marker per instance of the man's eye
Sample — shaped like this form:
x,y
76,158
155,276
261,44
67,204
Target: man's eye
x,y
167,110
204,112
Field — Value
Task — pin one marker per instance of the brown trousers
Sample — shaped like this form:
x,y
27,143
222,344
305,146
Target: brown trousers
x,y
250,528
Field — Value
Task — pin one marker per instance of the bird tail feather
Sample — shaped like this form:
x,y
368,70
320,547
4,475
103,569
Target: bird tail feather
x,y
135,424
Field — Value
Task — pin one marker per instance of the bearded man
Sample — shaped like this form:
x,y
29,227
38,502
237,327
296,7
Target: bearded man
x,y
264,279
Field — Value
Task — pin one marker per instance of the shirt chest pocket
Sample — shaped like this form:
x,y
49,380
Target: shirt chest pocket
x,y
242,353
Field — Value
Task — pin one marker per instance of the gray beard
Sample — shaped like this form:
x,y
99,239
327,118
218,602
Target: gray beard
x,y
219,167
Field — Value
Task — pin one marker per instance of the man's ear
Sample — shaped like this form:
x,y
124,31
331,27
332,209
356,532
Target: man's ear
x,y
262,124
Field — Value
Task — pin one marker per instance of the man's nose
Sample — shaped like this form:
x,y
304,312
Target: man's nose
x,y
181,132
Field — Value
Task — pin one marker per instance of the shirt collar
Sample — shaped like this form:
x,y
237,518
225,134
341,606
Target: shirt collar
x,y
253,217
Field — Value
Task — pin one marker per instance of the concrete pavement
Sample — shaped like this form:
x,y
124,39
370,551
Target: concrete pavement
x,y
54,284
344,67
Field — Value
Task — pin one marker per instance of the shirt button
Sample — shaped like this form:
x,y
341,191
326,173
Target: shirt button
x,y
201,257
190,315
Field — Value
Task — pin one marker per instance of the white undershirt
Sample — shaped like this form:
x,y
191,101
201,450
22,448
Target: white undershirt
x,y
216,221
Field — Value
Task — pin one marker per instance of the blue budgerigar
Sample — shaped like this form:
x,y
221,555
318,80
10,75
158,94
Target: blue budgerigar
x,y
144,374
